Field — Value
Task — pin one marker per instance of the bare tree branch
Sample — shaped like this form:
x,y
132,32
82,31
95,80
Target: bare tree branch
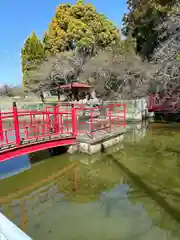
x,y
118,76
64,66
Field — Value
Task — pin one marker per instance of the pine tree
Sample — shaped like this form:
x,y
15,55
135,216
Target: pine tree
x,y
32,54
142,22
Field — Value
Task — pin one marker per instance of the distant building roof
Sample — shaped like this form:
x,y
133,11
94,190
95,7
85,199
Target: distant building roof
x,y
74,85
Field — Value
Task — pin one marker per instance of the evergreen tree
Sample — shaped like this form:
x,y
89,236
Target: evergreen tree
x,y
32,54
142,22
79,26
79,2
76,27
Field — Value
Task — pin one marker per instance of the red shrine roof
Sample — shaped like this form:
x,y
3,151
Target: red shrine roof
x,y
74,85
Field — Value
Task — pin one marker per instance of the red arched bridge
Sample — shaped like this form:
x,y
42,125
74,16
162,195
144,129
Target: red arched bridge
x,y
26,131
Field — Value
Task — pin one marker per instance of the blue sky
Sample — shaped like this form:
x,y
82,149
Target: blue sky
x,y
19,18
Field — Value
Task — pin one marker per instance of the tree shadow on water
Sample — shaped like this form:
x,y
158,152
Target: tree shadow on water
x,y
154,195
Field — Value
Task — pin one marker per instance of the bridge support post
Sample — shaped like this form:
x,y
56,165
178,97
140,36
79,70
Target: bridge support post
x,y
74,121
16,124
56,125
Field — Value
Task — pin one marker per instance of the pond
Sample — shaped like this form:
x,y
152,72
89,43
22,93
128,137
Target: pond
x,y
131,191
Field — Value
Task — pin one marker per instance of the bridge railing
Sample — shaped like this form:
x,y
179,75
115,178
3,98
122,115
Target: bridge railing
x,y
20,127
91,120
94,120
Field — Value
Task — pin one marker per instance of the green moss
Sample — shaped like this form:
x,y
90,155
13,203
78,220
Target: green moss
x,y
36,173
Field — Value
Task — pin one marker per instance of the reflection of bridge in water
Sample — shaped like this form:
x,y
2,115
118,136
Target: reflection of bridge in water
x,y
35,199
47,213
15,166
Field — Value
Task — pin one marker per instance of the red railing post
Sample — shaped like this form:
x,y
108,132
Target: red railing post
x,y
56,126
109,116
1,127
48,122
74,121
31,119
16,124
124,115
91,122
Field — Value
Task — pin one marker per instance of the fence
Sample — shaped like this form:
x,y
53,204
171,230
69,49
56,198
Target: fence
x,y
93,120
136,109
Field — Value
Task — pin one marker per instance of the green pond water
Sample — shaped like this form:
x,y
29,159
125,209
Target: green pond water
x,y
129,192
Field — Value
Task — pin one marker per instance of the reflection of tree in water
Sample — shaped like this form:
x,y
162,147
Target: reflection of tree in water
x,y
119,201
112,198
160,217
116,201
136,132
163,212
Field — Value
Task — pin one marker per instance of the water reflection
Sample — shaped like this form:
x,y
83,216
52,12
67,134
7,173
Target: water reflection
x,y
116,214
110,204
23,208
111,198
14,166
124,220
136,131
